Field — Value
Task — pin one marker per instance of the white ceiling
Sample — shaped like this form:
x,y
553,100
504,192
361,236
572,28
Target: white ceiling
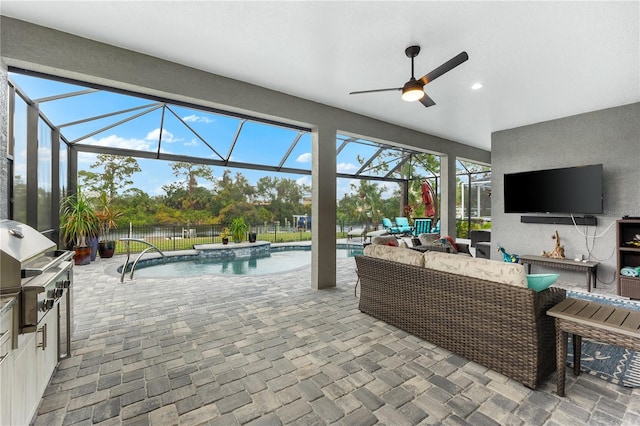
x,y
538,60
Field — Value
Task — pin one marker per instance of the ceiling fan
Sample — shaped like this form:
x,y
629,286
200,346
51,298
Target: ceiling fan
x,y
413,90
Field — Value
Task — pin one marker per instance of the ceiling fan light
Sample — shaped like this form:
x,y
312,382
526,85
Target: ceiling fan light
x,y
412,91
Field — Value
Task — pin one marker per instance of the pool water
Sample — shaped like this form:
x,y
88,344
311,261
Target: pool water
x,y
277,261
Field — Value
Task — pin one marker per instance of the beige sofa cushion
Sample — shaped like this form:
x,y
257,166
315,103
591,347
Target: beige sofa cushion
x,y
396,254
484,269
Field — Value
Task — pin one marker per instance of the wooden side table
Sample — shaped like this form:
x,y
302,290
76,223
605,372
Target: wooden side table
x,y
604,323
590,268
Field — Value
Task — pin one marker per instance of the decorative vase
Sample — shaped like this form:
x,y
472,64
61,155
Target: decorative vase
x,y
252,237
225,241
93,243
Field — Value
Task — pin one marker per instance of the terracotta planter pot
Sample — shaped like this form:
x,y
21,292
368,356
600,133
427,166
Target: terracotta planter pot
x,y
82,255
106,249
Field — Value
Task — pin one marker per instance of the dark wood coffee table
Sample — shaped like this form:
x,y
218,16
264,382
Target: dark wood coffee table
x,y
604,323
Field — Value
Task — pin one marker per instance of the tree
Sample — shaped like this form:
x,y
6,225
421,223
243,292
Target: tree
x,y
266,188
243,209
270,188
185,193
113,175
189,172
137,208
369,202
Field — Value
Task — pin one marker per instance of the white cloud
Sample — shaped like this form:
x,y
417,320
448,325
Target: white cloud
x,y
343,186
167,136
197,119
388,189
346,168
193,142
304,180
113,141
87,157
304,158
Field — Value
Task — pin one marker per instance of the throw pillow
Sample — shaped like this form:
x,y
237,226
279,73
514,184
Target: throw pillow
x,y
384,239
452,242
426,239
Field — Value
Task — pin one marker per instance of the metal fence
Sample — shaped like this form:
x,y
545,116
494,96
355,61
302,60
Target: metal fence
x,y
185,237
171,238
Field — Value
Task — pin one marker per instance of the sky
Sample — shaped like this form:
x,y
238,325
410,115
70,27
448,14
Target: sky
x,y
139,128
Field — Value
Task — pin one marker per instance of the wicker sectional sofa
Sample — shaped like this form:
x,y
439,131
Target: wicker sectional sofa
x,y
501,325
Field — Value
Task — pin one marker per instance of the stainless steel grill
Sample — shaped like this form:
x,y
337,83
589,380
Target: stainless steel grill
x,y
42,276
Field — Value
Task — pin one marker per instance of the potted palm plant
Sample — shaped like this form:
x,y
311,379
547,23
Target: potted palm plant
x,y
78,223
238,229
107,216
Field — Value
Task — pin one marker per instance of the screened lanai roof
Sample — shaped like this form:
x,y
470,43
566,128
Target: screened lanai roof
x,y
101,120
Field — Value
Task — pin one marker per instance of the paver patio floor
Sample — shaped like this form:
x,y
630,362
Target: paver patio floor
x,y
269,350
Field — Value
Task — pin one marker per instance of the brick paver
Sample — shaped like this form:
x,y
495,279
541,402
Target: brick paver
x,y
269,350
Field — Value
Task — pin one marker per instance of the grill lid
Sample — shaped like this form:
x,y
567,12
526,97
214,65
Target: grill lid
x,y
21,242
19,245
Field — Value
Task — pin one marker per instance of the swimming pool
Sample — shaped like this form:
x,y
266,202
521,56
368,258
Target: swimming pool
x,y
280,259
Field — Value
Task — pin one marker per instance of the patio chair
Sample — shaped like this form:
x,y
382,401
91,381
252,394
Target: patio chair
x,y
436,229
358,232
421,226
390,227
403,224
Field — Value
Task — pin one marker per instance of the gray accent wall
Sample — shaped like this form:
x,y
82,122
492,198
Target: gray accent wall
x,y
610,137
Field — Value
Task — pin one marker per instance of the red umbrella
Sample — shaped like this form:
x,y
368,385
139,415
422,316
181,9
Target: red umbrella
x,y
427,199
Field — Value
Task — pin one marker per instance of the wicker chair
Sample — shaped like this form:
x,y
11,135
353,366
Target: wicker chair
x,y
500,326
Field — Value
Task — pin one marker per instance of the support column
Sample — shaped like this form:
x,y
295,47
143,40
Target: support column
x,y
448,195
32,166
323,208
4,141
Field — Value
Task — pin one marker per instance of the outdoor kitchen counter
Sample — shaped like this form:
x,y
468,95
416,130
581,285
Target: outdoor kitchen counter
x,y
7,301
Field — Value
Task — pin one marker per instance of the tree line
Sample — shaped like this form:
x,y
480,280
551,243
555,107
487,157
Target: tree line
x,y
231,195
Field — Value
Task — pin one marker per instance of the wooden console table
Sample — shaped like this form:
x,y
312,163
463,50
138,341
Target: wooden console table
x,y
571,265
604,323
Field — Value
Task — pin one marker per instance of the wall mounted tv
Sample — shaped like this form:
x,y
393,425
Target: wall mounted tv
x,y
568,190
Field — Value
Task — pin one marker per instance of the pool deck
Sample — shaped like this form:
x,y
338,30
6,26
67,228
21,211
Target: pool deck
x,y
269,350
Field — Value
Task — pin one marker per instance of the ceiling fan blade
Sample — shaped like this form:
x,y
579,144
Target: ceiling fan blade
x,y
446,67
427,101
375,90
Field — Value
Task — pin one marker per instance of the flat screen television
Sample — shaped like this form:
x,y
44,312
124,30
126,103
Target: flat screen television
x,y
568,190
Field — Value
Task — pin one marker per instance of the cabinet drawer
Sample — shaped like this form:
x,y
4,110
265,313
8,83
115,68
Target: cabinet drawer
x,y
6,333
5,343
630,287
